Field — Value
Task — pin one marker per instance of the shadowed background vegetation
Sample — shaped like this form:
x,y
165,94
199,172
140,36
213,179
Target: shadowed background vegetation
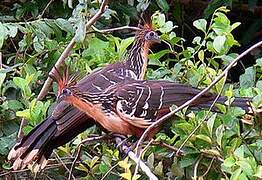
x,y
204,37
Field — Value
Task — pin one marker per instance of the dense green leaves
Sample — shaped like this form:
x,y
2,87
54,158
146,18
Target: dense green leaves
x,y
194,54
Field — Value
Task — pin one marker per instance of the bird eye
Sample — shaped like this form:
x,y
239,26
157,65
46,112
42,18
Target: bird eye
x,y
151,34
66,91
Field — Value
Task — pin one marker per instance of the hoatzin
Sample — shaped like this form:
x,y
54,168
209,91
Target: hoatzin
x,y
129,107
66,121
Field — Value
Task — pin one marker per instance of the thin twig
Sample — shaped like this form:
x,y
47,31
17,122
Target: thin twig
x,y
162,144
80,146
115,29
51,166
1,60
196,166
205,118
142,165
132,156
161,120
20,133
209,167
46,7
139,157
111,169
68,49
62,162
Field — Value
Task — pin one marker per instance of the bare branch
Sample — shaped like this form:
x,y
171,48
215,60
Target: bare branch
x,y
196,167
68,49
116,29
48,4
209,167
143,166
218,78
62,162
80,146
111,169
20,133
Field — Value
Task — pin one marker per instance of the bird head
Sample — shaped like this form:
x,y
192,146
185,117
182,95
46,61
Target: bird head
x,y
64,94
148,34
65,82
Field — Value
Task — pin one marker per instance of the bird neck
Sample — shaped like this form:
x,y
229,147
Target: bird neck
x,y
137,58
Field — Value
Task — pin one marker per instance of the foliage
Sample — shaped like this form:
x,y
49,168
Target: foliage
x,y
223,147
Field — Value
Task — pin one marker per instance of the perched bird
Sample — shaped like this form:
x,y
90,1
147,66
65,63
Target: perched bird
x,y
66,121
129,107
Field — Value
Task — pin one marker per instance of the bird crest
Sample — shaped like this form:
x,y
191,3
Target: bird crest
x,y
64,80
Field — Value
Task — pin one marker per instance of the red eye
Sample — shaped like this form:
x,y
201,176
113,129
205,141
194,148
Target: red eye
x,y
151,34
66,91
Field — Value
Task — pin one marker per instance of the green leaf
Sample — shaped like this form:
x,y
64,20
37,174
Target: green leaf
x,y
81,167
103,168
3,33
124,44
2,78
248,79
201,55
64,25
210,123
259,62
229,162
167,27
81,31
23,85
219,134
200,24
158,20
12,30
239,152
245,166
243,176
258,172
204,138
25,114
150,161
196,40
163,5
219,43
38,44
236,174
159,169
14,105
93,161
235,25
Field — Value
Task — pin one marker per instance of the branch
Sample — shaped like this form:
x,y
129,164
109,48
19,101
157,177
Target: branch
x,y
115,29
20,133
205,118
80,146
62,162
137,160
143,166
48,4
68,49
218,78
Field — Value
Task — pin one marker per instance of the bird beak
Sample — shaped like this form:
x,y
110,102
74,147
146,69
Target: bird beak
x,y
157,39
60,98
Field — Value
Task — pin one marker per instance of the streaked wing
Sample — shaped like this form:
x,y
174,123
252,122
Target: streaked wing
x,y
140,102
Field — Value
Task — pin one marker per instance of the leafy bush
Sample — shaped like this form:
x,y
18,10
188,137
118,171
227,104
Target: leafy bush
x,y
221,146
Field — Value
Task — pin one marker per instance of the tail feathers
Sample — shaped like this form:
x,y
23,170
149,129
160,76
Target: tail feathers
x,y
31,146
242,102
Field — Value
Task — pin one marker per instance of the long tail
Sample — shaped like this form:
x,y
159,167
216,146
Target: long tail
x,y
38,145
242,102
